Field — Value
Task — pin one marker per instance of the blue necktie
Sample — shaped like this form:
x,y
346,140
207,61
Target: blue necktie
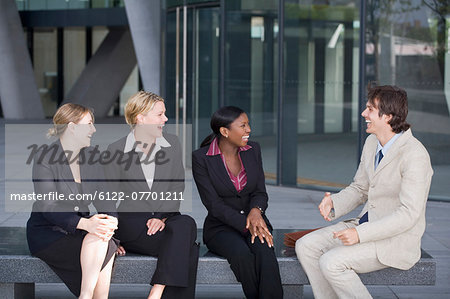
x,y
380,156
365,217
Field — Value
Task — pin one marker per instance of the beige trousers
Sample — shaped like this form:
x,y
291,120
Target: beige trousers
x,y
332,267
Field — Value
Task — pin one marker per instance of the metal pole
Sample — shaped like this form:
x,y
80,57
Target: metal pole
x,y
184,80
280,89
222,55
177,70
362,76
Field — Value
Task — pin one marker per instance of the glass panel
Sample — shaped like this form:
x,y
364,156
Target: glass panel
x,y
20,4
189,2
202,68
106,3
190,61
206,70
320,109
74,55
130,88
45,67
172,69
172,3
251,57
189,71
170,64
67,4
408,45
98,35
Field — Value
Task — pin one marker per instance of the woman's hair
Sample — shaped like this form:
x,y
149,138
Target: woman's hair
x,y
390,100
64,115
140,103
221,118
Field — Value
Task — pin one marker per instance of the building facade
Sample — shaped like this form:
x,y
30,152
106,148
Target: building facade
x,y
299,68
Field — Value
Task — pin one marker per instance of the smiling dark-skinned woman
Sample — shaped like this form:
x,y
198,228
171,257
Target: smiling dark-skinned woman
x,y
230,179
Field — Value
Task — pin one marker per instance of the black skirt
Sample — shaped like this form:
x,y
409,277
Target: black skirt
x,y
63,257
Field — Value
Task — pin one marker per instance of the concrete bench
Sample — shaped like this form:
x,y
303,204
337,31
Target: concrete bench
x,y
19,271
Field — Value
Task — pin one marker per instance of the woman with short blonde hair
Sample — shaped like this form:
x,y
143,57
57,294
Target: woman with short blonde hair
x,y
140,103
154,227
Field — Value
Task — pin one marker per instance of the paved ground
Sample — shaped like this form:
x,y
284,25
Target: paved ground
x,y
289,208
296,208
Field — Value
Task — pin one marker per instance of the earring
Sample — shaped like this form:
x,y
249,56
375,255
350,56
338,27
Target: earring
x,y
226,136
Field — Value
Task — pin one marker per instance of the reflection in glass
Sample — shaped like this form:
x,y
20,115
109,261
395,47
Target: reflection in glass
x,y
321,102
407,46
67,4
74,55
45,67
251,67
206,68
202,80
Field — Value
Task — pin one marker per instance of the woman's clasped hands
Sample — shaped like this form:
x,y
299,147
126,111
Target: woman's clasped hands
x,y
258,228
101,225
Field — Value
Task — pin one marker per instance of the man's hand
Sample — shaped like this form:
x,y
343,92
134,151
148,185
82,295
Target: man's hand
x,y
348,236
325,206
154,225
258,228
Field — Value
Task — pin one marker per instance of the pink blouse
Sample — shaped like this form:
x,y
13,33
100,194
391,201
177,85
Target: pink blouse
x,y
238,181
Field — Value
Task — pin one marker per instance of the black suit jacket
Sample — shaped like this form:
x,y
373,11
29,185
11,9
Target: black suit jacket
x,y
126,177
227,208
51,220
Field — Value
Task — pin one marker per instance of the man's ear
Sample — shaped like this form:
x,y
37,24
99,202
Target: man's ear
x,y
388,117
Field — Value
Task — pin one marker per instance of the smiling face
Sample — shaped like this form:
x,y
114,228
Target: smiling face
x,y
239,131
376,124
153,120
83,130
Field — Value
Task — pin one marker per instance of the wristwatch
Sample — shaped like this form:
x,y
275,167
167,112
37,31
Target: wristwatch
x,y
332,214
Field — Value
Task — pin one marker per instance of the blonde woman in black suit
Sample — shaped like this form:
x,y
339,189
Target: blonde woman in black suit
x,y
78,247
149,162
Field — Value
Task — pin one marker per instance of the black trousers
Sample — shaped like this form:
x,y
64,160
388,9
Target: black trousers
x,y
254,265
177,253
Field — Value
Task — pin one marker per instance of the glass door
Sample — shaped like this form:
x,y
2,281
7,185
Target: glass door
x,y
321,99
192,69
205,70
251,71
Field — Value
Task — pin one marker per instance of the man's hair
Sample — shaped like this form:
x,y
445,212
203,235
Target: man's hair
x,y
390,100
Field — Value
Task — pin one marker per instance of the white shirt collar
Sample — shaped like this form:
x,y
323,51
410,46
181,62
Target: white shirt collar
x,y
384,149
130,144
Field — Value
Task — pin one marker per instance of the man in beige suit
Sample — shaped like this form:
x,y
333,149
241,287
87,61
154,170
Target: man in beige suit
x,y
393,180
